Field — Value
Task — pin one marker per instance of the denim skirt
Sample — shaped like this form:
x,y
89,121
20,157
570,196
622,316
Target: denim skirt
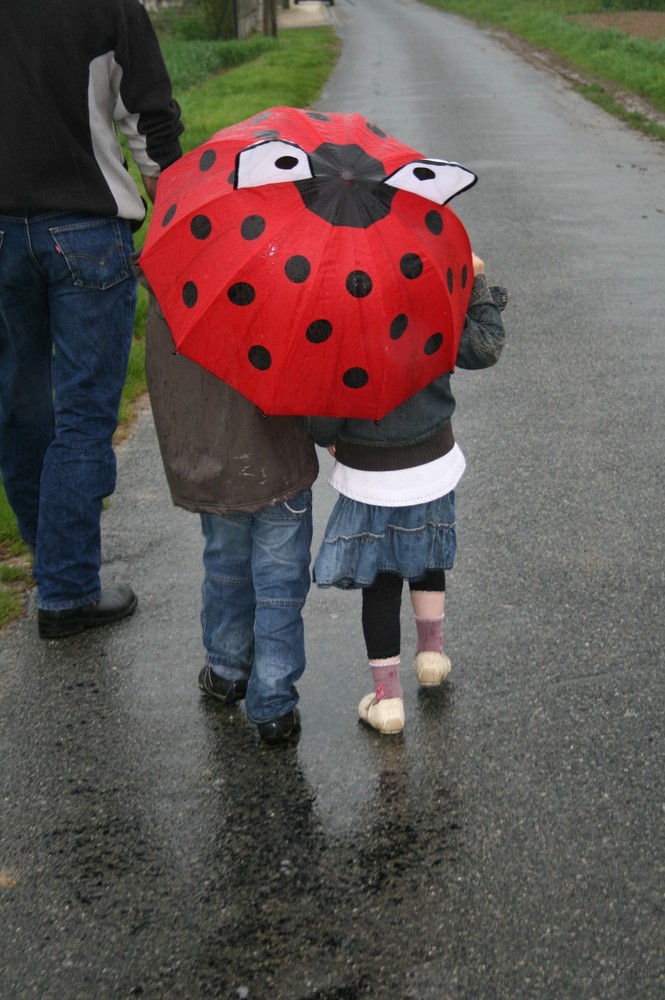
x,y
361,540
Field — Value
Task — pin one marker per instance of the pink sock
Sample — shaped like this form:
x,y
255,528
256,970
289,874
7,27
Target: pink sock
x,y
385,674
430,635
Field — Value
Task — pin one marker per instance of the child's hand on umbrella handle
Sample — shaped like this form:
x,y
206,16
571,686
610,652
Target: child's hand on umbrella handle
x,y
478,265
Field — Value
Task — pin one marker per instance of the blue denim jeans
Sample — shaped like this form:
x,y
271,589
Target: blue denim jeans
x,y
67,303
255,585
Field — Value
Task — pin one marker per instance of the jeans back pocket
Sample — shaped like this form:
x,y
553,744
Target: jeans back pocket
x,y
96,253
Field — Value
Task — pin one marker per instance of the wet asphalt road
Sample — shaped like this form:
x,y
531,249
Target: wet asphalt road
x,y
510,844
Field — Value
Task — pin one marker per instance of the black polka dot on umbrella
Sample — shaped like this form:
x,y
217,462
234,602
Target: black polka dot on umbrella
x,y
168,215
411,265
201,227
355,378
450,280
318,116
252,227
259,357
465,276
376,130
319,331
433,343
241,293
398,326
358,284
267,133
207,159
298,269
190,294
434,222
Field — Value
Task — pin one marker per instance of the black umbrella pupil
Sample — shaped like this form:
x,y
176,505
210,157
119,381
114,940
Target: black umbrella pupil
x,y
286,162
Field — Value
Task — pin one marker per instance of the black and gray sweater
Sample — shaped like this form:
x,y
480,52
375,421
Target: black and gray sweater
x,y
71,72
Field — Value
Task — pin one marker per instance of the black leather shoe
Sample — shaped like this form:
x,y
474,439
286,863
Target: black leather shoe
x,y
228,692
281,729
118,601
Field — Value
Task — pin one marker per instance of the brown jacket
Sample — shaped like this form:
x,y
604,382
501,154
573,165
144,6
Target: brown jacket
x,y
220,454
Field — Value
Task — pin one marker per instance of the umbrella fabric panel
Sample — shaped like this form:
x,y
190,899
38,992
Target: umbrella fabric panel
x,y
226,306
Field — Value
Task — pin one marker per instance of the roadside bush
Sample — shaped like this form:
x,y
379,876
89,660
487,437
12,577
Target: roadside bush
x,y
191,63
218,17
190,28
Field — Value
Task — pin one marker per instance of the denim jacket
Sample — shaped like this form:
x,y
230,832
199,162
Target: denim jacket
x,y
419,430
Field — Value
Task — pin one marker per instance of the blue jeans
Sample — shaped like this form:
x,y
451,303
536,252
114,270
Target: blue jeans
x,y
254,589
67,303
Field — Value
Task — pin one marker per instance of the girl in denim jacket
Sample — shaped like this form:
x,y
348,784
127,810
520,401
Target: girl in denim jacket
x,y
395,517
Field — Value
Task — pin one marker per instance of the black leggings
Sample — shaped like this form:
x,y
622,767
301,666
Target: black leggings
x,y
382,603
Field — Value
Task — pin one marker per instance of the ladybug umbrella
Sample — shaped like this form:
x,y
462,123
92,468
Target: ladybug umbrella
x,y
310,261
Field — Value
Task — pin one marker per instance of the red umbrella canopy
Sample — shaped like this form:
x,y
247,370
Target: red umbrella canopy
x,y
310,261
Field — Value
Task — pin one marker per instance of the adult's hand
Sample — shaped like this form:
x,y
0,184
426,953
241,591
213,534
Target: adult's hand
x,y
150,185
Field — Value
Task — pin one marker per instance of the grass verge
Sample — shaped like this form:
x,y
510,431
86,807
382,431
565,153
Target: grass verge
x,y
15,565
216,84
610,60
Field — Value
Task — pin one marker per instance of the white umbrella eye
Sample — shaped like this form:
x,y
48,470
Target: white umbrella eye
x,y
435,180
271,162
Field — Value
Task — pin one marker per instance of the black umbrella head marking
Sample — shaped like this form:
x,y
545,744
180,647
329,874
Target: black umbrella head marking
x,y
342,183
347,188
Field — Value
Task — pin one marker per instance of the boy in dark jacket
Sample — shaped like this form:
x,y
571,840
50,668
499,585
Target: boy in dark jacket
x,y
249,477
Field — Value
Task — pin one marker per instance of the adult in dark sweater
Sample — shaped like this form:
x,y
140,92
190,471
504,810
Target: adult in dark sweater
x,y
73,73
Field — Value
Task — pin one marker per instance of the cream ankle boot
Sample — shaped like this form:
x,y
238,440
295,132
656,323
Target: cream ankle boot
x,y
432,668
386,716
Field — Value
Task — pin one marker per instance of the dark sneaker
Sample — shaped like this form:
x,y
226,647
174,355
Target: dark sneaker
x,y
281,729
116,602
228,692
